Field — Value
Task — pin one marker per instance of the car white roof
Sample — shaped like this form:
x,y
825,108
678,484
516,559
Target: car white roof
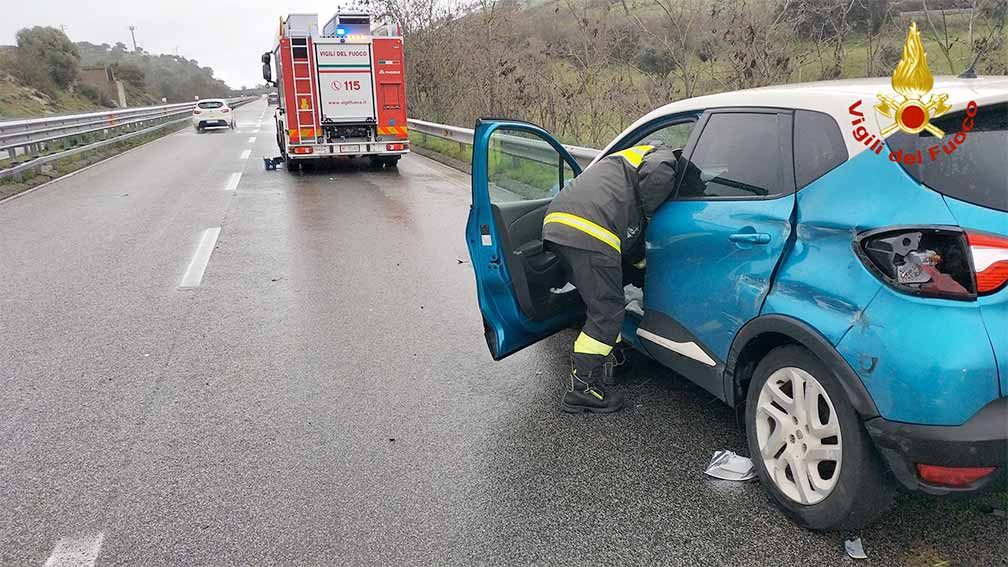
x,y
835,98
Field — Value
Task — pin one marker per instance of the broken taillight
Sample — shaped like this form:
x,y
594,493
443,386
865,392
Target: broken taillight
x,y
990,260
925,261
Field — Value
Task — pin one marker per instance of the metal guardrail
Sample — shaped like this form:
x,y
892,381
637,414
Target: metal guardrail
x,y
33,142
527,148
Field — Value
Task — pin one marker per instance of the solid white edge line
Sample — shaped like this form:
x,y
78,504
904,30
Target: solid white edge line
x,y
245,154
234,180
76,552
85,168
194,273
689,350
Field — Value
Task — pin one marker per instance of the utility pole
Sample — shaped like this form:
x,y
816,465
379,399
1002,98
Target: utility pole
x,y
133,35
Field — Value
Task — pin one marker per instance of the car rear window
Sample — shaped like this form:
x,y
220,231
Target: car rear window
x,y
818,146
211,104
977,170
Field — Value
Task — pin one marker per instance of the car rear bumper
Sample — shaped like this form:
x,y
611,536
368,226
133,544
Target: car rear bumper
x,y
982,441
213,122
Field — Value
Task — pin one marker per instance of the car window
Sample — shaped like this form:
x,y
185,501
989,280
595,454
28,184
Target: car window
x,y
976,171
818,146
211,104
672,136
522,166
737,155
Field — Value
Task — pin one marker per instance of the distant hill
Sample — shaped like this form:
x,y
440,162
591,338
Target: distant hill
x,y
47,73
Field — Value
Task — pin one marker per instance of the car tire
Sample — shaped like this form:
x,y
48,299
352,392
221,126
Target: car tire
x,y
232,125
848,493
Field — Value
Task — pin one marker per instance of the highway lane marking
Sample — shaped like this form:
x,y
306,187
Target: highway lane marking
x,y
76,552
194,273
252,139
232,183
245,155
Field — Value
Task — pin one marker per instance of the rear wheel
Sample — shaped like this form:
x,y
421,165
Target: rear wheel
x,y
808,444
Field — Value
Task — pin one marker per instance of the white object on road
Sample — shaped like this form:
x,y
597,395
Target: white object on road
x,y
76,552
726,465
194,273
854,548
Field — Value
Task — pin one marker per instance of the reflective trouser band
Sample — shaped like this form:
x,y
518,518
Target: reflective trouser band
x,y
587,345
586,226
640,265
635,154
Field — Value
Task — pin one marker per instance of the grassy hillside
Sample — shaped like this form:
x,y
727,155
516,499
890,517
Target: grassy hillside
x,y
42,75
17,100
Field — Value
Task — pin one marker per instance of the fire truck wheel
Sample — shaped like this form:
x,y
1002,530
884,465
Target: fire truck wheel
x,y
392,161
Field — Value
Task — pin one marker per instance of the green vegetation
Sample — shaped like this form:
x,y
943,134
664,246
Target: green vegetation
x,y
584,69
44,74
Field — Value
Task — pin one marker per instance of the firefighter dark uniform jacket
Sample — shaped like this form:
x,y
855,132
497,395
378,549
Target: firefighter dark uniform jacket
x,y
605,208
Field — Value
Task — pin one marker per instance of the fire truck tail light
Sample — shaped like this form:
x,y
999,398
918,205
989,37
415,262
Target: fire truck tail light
x,y
395,147
303,150
990,260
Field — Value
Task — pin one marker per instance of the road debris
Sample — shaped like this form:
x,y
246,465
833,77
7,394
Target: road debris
x,y
854,548
726,465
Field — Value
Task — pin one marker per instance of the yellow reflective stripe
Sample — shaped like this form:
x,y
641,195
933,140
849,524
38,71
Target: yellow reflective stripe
x,y
635,154
586,226
587,345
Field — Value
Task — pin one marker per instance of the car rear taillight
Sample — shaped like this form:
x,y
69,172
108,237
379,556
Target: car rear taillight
x,y
395,147
225,110
196,111
920,260
990,260
952,476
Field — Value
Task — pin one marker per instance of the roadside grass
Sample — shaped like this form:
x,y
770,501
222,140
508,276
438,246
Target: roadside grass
x,y
17,101
11,186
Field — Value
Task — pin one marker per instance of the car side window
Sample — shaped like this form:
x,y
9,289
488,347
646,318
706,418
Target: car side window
x,y
818,146
738,155
671,136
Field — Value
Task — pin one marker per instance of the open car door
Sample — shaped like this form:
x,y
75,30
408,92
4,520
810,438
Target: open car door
x,y
517,169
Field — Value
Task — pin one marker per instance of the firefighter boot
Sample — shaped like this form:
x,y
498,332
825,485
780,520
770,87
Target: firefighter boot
x,y
585,392
615,363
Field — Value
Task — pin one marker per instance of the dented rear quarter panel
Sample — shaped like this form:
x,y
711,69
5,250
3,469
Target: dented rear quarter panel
x,y
920,359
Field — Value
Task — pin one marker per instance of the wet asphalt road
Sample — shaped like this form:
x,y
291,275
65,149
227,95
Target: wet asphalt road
x,y
325,396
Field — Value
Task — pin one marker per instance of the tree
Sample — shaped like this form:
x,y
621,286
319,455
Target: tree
x,y
130,73
46,59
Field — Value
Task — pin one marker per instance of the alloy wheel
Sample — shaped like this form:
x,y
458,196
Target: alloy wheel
x,y
798,433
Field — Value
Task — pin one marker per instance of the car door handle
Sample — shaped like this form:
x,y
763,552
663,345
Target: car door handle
x,y
750,238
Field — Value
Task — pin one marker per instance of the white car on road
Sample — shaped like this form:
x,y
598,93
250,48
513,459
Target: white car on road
x,y
212,112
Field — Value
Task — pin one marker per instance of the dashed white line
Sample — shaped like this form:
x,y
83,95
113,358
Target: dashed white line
x,y
194,273
232,183
245,155
252,139
76,552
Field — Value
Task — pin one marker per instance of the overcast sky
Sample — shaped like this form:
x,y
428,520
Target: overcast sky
x,y
228,36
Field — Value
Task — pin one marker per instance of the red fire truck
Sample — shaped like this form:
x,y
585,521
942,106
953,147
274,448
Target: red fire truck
x,y
342,91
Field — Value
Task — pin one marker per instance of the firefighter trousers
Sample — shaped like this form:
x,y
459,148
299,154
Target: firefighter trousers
x,y
599,280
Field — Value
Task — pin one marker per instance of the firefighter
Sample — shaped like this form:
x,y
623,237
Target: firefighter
x,y
596,225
